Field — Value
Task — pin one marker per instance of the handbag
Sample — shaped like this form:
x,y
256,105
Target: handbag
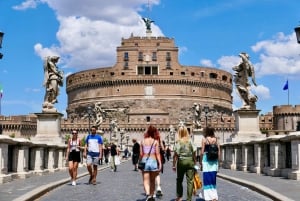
x,y
197,183
141,164
117,160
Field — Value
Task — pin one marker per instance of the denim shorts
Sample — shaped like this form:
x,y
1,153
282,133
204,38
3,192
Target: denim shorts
x,y
151,164
92,160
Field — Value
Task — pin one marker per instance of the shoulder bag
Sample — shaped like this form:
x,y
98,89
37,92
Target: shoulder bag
x,y
141,164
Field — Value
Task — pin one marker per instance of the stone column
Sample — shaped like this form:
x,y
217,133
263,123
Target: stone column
x,y
3,158
22,165
244,161
295,174
51,159
61,159
274,158
38,160
258,158
234,152
3,163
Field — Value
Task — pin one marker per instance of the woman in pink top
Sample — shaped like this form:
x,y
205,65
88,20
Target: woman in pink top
x,y
149,153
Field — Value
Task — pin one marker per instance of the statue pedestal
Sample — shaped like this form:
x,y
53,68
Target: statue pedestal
x,y
48,128
148,33
197,140
246,125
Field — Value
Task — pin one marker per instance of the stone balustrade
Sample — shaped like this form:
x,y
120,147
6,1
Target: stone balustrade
x,y
277,155
22,158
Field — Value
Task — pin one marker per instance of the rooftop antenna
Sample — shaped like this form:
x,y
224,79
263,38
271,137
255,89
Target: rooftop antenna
x,y
148,9
148,21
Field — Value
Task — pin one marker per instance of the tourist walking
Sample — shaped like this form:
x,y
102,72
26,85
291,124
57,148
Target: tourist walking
x,y
209,167
168,153
114,153
161,145
106,154
149,154
92,153
135,154
73,156
184,160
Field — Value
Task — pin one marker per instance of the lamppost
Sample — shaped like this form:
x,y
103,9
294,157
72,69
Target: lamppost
x,y
172,133
121,139
222,121
1,37
89,111
111,129
127,139
206,110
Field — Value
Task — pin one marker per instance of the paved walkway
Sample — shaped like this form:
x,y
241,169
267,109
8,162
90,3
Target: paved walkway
x,y
31,188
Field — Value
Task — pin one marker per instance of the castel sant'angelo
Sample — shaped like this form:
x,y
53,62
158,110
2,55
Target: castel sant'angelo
x,y
148,84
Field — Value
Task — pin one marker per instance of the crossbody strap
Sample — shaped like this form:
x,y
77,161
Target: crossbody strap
x,y
150,150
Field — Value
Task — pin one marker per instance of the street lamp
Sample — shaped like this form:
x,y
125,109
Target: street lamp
x,y
206,110
297,30
89,111
222,121
172,133
122,135
1,37
127,139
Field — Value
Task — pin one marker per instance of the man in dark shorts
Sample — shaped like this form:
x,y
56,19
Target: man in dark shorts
x,y
135,153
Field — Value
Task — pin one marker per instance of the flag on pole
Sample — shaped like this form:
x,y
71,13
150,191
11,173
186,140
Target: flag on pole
x,y
286,86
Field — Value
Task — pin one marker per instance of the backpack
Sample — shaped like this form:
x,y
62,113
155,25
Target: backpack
x,y
212,152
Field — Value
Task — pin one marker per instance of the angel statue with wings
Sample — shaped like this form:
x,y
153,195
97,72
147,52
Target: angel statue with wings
x,y
53,78
242,71
148,23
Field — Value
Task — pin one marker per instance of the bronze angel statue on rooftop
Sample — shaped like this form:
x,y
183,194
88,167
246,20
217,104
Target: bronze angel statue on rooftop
x,y
148,23
242,71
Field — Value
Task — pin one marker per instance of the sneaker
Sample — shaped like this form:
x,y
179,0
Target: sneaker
x,y
94,182
73,183
159,191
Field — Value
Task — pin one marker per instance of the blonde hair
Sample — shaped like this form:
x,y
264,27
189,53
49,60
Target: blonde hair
x,y
183,133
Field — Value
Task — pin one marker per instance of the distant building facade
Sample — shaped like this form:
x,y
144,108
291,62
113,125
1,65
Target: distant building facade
x,y
148,85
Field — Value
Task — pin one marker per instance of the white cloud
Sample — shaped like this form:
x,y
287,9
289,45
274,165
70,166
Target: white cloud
x,y
27,4
206,62
278,56
261,91
227,62
89,32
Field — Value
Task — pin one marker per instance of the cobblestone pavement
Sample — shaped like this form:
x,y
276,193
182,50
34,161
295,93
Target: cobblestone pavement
x,y
126,185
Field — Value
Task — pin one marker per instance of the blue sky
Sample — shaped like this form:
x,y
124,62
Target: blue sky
x,y
85,35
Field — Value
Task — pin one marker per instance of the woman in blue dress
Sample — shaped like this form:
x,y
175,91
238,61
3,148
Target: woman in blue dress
x,y
209,167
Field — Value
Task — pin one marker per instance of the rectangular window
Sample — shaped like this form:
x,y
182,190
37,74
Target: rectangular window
x,y
140,56
140,70
154,70
168,66
147,70
168,56
126,56
154,57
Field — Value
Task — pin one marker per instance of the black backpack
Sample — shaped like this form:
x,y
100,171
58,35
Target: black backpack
x,y
212,152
